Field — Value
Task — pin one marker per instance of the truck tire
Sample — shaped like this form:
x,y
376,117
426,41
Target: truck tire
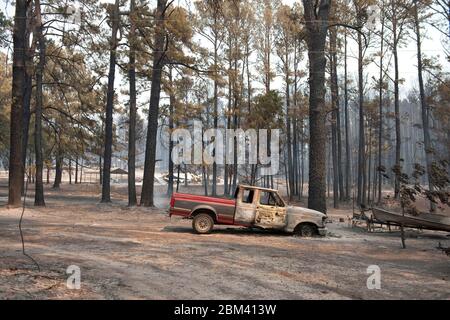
x,y
203,223
305,230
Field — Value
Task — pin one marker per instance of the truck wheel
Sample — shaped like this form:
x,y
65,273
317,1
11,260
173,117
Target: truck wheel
x,y
305,230
203,223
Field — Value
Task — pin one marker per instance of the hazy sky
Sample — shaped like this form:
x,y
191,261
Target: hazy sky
x,y
432,47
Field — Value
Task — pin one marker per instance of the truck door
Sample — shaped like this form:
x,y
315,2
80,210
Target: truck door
x,y
245,206
270,210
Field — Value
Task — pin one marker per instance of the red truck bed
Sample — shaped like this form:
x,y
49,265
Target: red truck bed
x,y
182,204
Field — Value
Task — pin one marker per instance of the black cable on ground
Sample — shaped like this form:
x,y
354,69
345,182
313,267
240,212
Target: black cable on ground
x,y
20,225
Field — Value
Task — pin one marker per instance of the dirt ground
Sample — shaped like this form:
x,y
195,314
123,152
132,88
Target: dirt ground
x,y
140,253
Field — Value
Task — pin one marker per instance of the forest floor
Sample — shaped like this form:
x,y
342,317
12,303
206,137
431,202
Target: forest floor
x,y
140,253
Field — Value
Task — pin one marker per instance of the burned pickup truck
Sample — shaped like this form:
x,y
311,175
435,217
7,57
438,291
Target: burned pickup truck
x,y
251,207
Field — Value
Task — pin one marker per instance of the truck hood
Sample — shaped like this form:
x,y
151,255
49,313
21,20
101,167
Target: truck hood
x,y
293,210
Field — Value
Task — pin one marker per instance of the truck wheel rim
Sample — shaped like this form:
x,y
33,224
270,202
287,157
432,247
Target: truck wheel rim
x,y
203,223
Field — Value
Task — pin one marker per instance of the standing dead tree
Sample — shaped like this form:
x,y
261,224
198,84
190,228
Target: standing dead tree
x,y
16,166
316,17
159,53
114,16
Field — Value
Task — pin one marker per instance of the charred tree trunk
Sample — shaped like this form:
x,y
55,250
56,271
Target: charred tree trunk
x,y
235,125
132,199
30,169
26,111
48,174
369,165
216,109
226,169
16,167
70,171
28,90
81,171
380,107
205,181
339,137
288,131
249,105
348,178
152,128
334,116
100,169
178,177
396,103
205,167
295,157
39,185
76,170
317,26
171,127
334,162
424,106
302,158
58,169
362,143
106,179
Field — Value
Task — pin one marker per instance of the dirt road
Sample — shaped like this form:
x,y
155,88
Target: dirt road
x,y
141,254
